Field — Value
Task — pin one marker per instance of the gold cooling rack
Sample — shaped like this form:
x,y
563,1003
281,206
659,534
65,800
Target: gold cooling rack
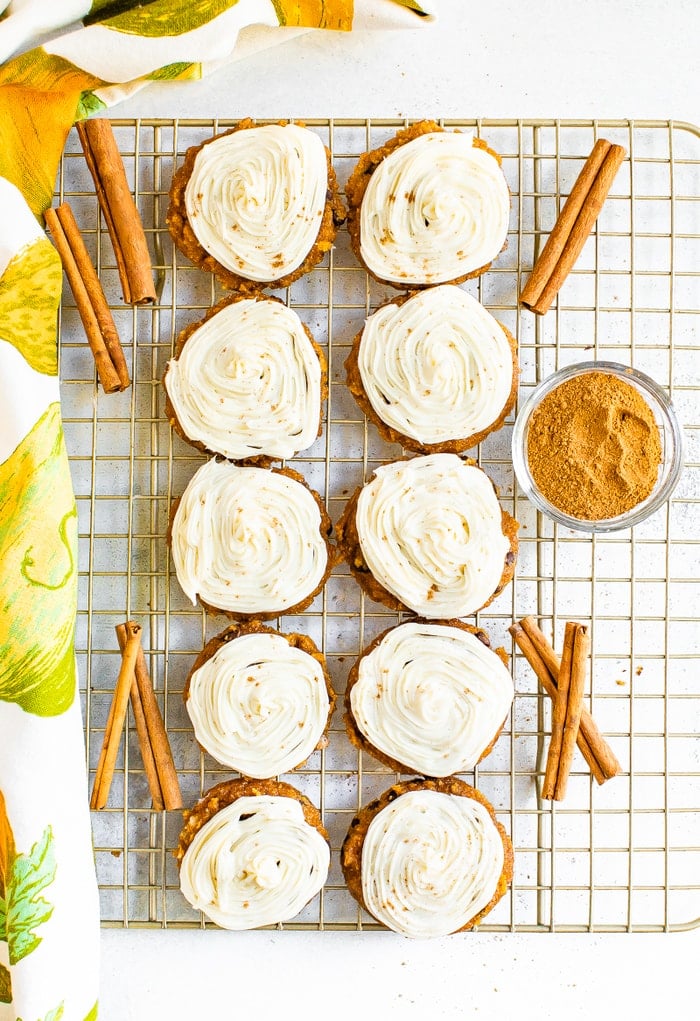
x,y
623,857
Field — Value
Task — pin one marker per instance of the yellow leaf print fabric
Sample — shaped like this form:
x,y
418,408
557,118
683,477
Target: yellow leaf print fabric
x,y
30,290
164,17
38,577
318,13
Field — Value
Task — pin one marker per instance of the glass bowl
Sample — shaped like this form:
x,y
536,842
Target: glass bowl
x,y
670,432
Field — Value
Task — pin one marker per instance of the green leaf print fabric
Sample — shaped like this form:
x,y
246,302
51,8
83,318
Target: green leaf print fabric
x,y
49,912
24,909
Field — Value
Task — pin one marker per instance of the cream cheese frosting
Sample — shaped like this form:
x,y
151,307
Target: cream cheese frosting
x,y
430,863
430,533
248,382
255,198
432,697
435,209
437,367
256,862
247,540
259,704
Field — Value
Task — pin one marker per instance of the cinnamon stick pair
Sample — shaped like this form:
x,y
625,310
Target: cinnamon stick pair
x,y
119,210
574,224
567,711
134,682
550,671
90,299
116,717
153,738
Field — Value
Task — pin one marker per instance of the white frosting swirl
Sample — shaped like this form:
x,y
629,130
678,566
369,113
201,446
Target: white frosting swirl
x,y
435,209
248,382
247,540
255,198
432,697
430,863
259,705
430,532
438,367
256,862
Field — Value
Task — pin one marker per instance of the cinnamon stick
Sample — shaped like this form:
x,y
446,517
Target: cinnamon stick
x,y
559,715
573,226
117,715
574,705
544,649
149,763
88,275
157,735
108,730
596,751
90,299
119,210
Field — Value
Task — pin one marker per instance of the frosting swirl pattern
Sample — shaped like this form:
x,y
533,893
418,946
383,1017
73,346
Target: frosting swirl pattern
x,y
248,382
430,863
430,533
437,367
247,540
259,705
256,862
255,198
432,697
435,209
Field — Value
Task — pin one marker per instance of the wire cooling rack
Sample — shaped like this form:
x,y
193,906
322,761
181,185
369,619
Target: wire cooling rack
x,y
623,857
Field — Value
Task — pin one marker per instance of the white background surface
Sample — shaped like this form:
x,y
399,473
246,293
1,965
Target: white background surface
x,y
495,58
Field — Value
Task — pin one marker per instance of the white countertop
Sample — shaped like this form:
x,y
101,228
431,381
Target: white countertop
x,y
504,58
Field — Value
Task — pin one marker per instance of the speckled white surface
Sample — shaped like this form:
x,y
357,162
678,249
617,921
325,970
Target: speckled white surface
x,y
631,58
504,58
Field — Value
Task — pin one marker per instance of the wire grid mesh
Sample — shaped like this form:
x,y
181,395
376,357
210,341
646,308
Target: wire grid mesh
x,y
623,857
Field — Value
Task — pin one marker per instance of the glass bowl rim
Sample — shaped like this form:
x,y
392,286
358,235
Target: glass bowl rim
x,y
672,463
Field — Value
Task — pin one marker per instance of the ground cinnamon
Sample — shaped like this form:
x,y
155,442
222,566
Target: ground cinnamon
x,y
593,447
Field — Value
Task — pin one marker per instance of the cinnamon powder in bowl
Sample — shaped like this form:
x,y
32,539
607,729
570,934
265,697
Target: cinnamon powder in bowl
x,y
597,446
